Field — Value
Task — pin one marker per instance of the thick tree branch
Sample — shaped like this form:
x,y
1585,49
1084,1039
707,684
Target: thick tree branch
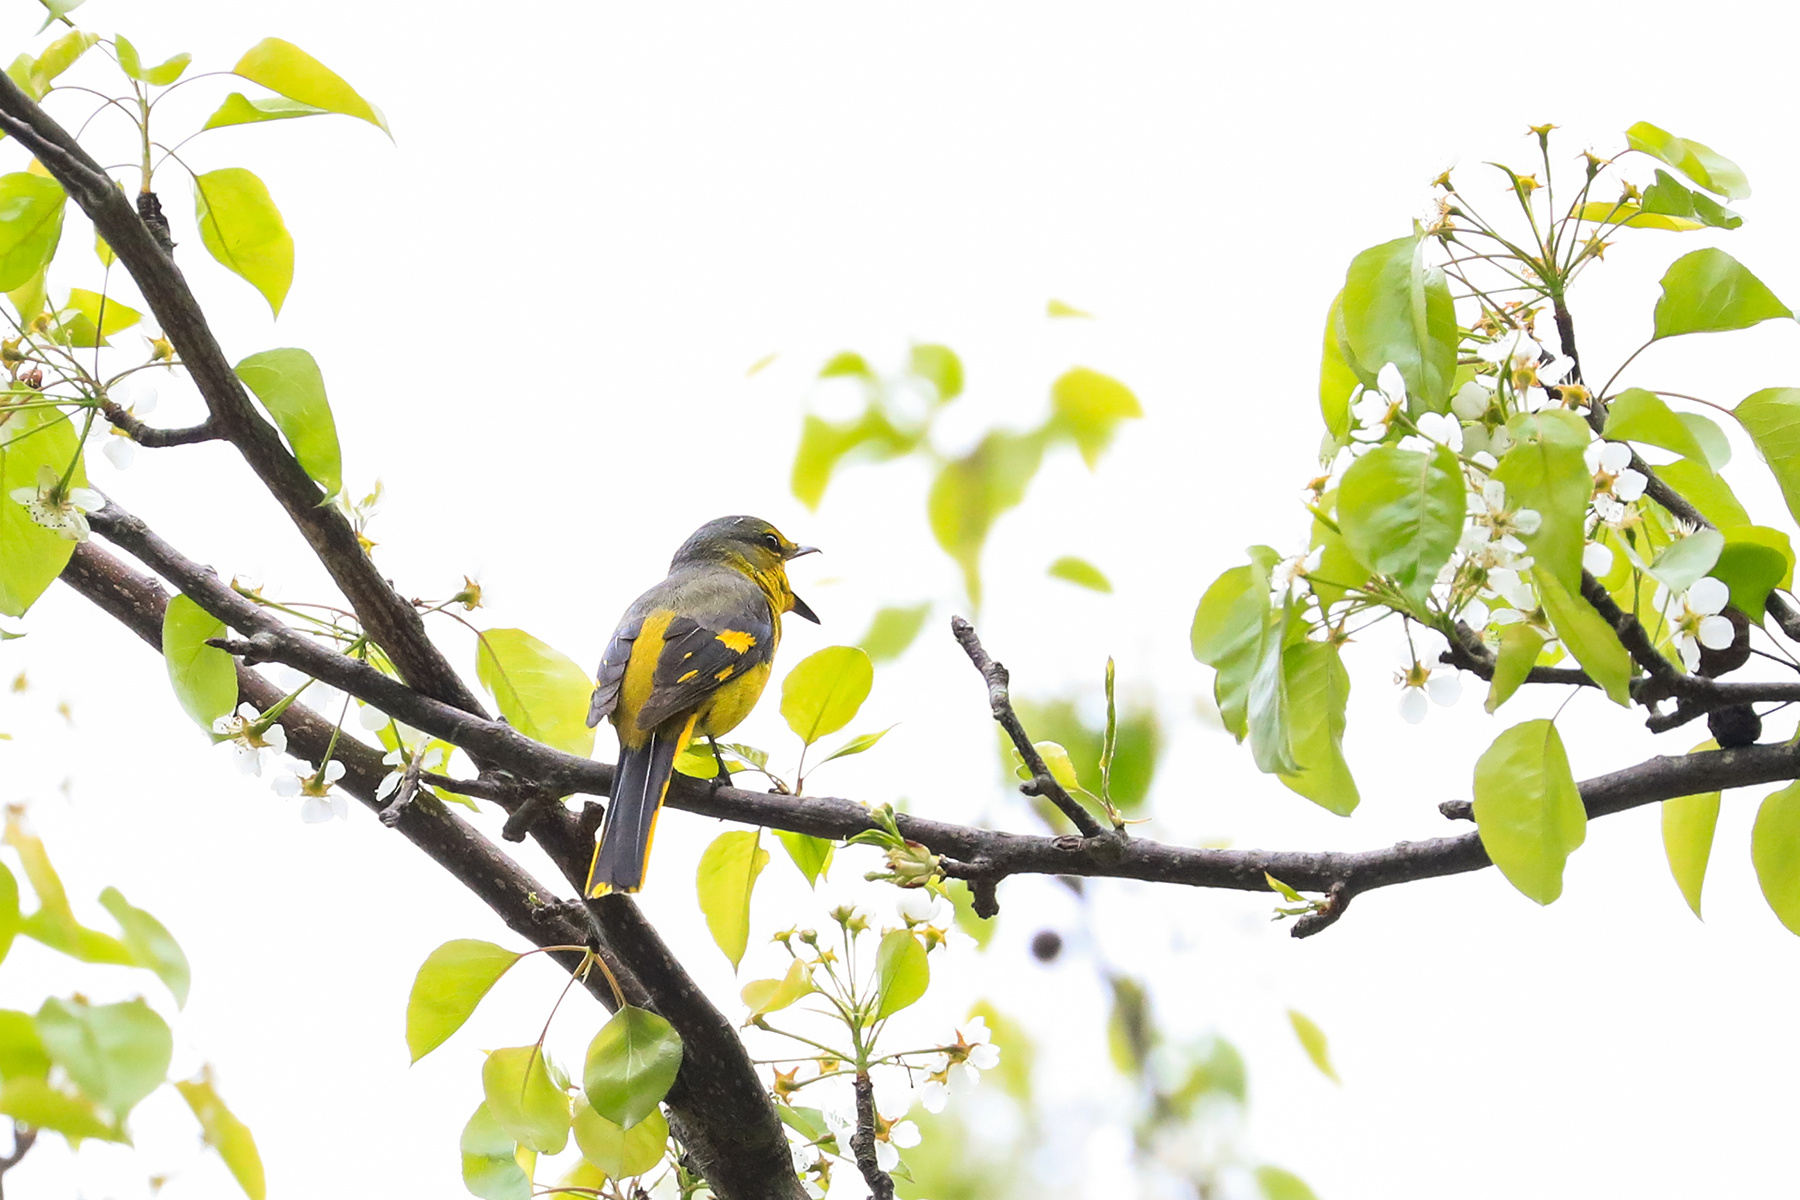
x,y
717,1106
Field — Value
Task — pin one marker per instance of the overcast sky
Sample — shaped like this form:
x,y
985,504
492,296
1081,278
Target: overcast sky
x,y
535,312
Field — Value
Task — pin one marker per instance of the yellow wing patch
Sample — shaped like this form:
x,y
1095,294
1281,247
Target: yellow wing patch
x,y
724,674
737,641
687,677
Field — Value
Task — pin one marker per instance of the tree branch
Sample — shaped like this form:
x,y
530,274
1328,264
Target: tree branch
x,y
144,435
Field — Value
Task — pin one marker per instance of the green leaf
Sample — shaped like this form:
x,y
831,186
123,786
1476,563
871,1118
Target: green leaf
x,y
1088,407
450,983
22,1052
1401,513
1614,215
1772,419
1669,197
90,318
582,1179
971,492
1687,832
1545,470
1318,689
1081,573
9,915
115,1053
1277,1184
1528,808
1312,1040
902,972
285,68
1337,378
241,228
31,1101
1706,491
1700,163
1396,310
292,389
151,944
1056,759
204,677
490,1166
822,694
847,363
1588,636
1227,636
763,996
631,1064
824,444
524,1100
30,299
893,630
1635,415
1058,308
1708,291
1267,707
621,1153
31,217
1287,893
227,1135
539,690
1520,646
1686,559
938,366
727,878
1775,850
1712,439
857,745
1755,561
54,923
962,900
59,55
158,76
239,109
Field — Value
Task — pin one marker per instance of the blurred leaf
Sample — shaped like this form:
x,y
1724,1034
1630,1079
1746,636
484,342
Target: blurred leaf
x,y
31,216
292,389
763,996
22,1052
241,228
1081,573
53,923
1018,1055
450,983
938,366
1397,310
524,1100
1318,688
32,1101
902,972
490,1168
1056,308
824,444
811,854
1337,378
1775,850
1088,407
1588,636
204,677
1520,646
970,493
1528,809
1277,1184
1401,512
539,690
285,68
1218,1069
227,1135
1139,741
621,1153
1635,415
822,694
1312,1040
962,900
115,1053
727,878
1755,561
1130,1033
158,76
1700,163
631,1064
1708,291
1545,471
239,109
847,363
893,630
9,915
150,943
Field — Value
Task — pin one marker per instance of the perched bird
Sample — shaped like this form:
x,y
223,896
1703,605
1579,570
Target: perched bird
x,y
690,658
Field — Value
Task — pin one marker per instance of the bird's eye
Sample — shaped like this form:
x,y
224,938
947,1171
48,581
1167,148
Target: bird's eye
x,y
772,542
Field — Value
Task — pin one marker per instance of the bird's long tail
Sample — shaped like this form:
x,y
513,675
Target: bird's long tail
x,y
639,785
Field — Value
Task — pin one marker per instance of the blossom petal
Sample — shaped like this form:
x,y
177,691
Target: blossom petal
x,y
1596,559
1413,705
934,1096
315,810
1708,595
886,1157
1528,521
1444,687
1614,457
1391,383
1690,651
1717,633
120,452
1629,485
904,1134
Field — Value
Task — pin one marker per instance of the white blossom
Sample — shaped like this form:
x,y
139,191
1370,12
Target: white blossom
x,y
1694,619
1288,577
1471,401
1422,685
1494,534
919,906
1435,429
60,509
433,760
1374,410
250,749
323,801
1596,559
118,447
1616,483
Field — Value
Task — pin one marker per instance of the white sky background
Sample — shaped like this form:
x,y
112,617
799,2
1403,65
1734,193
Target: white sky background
x,y
535,314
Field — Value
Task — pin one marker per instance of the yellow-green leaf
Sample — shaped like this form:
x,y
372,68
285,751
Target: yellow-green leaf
x,y
1699,162
151,945
90,318
31,556
763,996
1615,214
21,1050
1708,291
524,1100
292,389
450,983
161,75
1312,1040
621,1153
1081,573
1687,831
490,1163
1337,378
1636,415
1587,635
1775,850
823,693
59,56
631,1064
115,1053
34,1102
31,215
902,972
1318,689
940,367
1058,308
1520,646
1062,769
229,1137
1277,1184
204,677
811,854
285,68
539,690
1088,406
1528,808
241,228
239,109
893,630
727,877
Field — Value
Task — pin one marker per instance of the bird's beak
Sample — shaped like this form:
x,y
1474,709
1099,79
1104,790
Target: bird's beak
x,y
803,609
801,552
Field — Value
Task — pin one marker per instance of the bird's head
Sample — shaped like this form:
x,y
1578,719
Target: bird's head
x,y
753,546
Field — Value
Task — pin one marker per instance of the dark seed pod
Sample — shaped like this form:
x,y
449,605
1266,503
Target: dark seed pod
x,y
1714,663
1046,944
1735,726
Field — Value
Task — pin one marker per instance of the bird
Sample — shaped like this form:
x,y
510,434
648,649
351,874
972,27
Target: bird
x,y
689,658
